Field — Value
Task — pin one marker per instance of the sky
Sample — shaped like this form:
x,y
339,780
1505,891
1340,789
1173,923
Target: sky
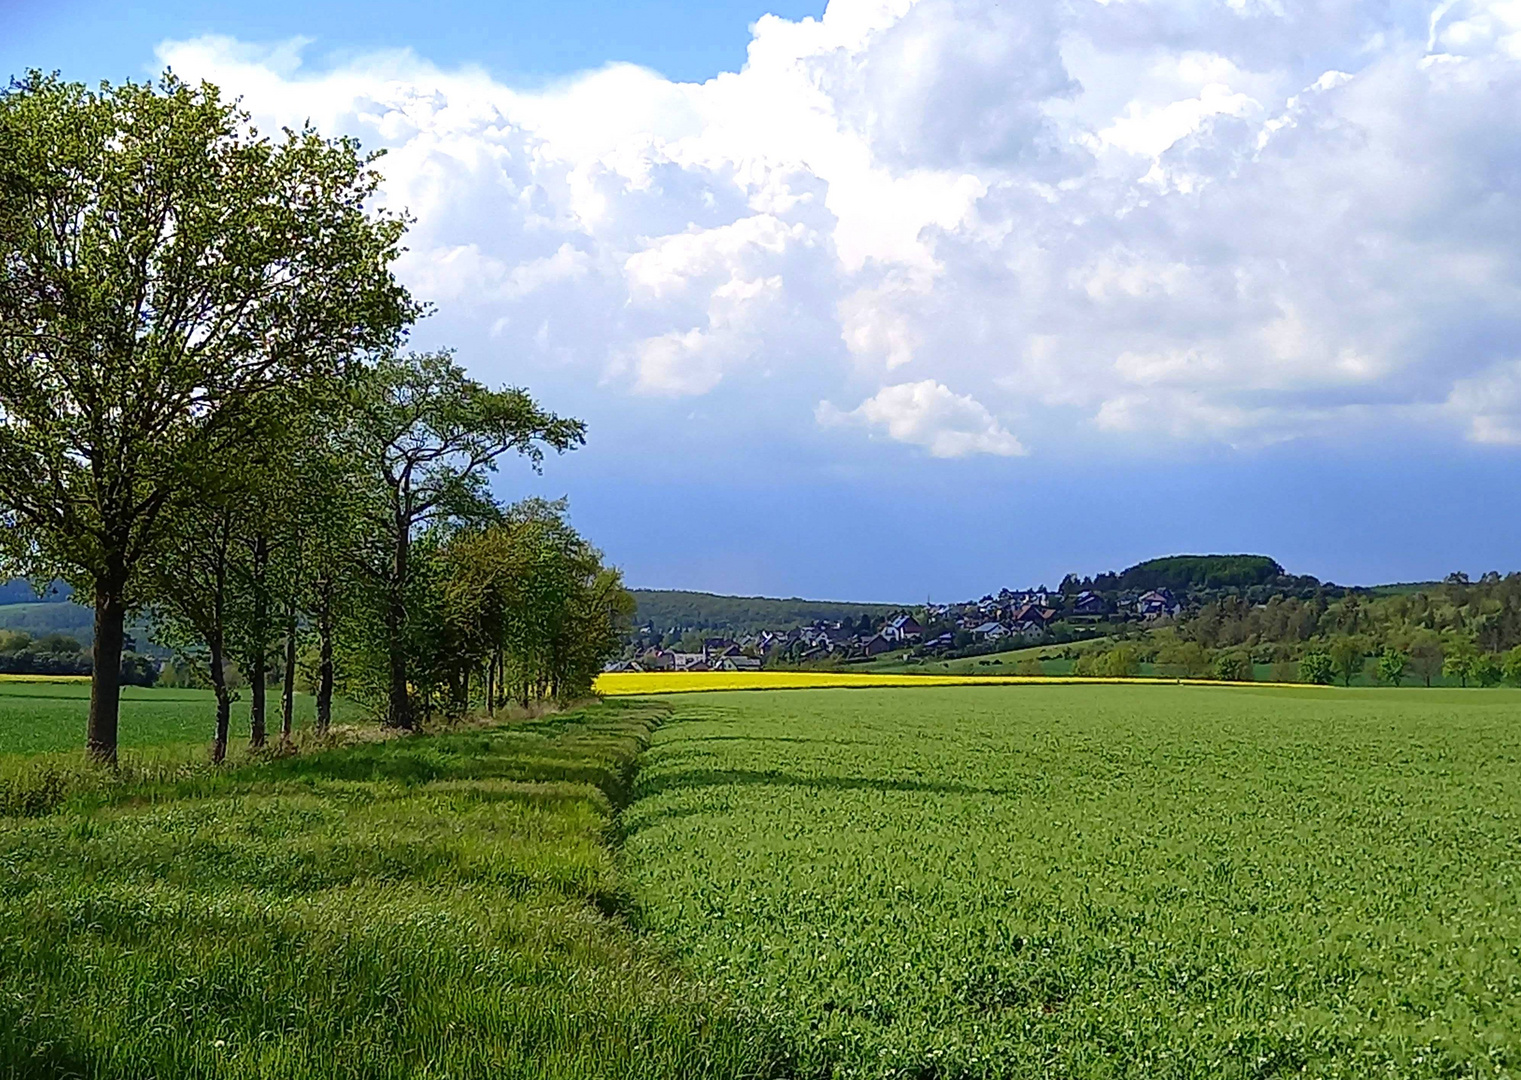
x,y
906,299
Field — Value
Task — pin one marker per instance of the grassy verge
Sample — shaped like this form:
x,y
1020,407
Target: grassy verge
x,y
446,906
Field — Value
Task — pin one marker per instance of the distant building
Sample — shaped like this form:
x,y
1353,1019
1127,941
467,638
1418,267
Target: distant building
x,y
903,628
1157,604
1090,603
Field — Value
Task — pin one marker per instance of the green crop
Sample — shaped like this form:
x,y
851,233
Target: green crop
x,y
1100,881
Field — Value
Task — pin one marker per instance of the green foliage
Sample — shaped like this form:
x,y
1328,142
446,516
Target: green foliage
x,y
1095,881
1488,670
1461,662
1316,667
424,436
163,268
1182,573
1347,657
667,609
439,906
1120,662
1391,666
1510,666
1233,666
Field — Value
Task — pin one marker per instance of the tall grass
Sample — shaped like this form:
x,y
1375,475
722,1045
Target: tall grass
x,y
443,906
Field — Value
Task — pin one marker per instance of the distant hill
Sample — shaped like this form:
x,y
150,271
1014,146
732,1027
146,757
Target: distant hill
x,y
667,609
40,619
1186,573
20,591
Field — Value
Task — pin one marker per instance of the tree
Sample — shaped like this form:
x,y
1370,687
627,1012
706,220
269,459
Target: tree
x,y
1462,658
1488,670
191,594
1233,667
426,435
1121,662
1391,666
162,266
1316,667
1510,666
1347,658
1426,656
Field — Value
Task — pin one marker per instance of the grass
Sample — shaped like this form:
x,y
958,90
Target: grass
x,y
443,906
1097,881
38,716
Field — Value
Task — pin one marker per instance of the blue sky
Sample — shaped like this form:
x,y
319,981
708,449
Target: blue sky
x,y
910,298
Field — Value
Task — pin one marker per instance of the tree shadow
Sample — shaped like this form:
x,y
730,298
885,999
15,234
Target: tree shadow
x,y
649,786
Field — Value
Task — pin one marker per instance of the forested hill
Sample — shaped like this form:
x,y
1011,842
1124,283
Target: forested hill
x,y
667,609
1184,572
1199,575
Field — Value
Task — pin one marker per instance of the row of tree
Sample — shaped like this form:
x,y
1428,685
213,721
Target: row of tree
x,y
206,415
1340,659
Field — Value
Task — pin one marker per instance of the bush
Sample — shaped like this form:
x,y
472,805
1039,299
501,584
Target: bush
x,y
1315,667
1233,667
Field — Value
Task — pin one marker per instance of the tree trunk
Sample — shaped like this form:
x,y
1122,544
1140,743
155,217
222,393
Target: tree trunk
x,y
288,691
400,705
325,666
224,703
258,674
491,685
105,676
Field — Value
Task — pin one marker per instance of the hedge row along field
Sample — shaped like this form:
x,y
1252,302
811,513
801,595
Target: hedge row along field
x,y
1097,881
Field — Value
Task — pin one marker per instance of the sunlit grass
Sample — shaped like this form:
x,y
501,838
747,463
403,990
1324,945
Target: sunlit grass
x,y
441,906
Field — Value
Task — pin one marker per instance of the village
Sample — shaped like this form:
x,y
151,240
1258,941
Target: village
x,y
1008,620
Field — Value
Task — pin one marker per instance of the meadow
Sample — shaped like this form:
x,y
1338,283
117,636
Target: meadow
x,y
1096,881
41,715
440,906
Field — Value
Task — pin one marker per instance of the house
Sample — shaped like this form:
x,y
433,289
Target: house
x,y
1157,604
877,644
903,628
737,663
990,631
944,641
694,661
1090,603
657,660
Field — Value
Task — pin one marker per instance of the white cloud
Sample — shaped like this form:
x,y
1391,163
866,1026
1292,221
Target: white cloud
x,y
1152,218
928,414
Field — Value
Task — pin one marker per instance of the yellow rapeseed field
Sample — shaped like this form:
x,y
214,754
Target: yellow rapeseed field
x,y
624,683
45,678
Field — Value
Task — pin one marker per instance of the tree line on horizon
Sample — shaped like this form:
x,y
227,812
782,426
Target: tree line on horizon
x,y
208,417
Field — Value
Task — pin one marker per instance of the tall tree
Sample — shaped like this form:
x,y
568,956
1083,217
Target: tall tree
x,y
162,266
426,435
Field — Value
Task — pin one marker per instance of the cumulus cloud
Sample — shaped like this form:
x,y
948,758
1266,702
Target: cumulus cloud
x,y
928,414
1150,219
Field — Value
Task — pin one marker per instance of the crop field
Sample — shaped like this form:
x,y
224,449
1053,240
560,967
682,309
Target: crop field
x,y
39,716
1096,881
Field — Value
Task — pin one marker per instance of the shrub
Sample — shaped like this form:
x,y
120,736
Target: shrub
x,y
1315,667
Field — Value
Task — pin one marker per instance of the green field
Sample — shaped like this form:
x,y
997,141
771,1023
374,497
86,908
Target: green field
x,y
431,907
1097,881
36,717
1026,881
